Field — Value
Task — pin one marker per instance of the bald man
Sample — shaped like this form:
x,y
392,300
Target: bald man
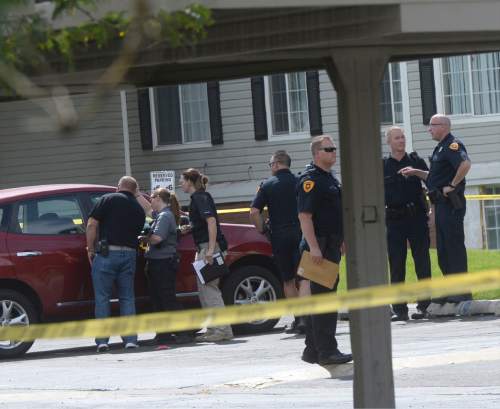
x,y
406,218
445,181
114,224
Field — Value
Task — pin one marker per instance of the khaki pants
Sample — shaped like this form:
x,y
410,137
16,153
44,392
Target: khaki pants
x,y
209,293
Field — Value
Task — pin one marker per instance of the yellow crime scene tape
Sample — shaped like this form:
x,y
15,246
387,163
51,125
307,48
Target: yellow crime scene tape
x,y
367,297
468,197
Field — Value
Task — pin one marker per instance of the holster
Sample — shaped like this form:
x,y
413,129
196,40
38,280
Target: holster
x,y
455,199
102,248
436,196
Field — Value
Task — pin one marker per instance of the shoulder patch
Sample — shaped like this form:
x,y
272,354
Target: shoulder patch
x,y
454,146
308,185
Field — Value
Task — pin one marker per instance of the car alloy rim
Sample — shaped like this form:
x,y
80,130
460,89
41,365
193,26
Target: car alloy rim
x,y
12,313
254,290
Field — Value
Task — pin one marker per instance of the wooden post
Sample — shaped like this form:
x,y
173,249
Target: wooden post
x,y
356,75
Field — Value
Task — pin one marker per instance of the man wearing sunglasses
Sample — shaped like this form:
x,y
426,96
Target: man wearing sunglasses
x,y
320,215
278,193
445,181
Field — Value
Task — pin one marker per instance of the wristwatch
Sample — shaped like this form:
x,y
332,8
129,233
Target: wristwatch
x,y
451,185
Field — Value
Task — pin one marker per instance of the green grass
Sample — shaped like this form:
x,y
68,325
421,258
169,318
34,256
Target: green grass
x,y
477,259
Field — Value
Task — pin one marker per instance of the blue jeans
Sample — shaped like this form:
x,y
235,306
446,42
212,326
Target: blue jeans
x,y
118,267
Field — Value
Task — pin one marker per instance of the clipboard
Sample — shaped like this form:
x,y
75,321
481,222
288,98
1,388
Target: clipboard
x,y
209,272
324,274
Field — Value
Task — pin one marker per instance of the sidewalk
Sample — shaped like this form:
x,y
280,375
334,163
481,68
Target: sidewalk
x,y
438,363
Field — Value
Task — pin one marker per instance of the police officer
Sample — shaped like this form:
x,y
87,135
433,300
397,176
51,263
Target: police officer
x,y
278,193
406,218
446,184
320,216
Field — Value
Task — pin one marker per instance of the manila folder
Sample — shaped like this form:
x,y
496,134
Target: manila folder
x,y
324,274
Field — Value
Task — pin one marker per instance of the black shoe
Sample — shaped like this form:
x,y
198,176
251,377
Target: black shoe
x,y
336,358
301,326
399,317
184,339
420,315
456,299
309,357
297,327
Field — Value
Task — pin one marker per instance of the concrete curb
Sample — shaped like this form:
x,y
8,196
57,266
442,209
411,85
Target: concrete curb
x,y
463,309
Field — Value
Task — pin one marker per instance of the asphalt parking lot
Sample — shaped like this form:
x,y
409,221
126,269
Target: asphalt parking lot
x,y
441,363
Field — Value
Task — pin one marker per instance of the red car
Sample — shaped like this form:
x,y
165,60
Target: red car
x,y
45,274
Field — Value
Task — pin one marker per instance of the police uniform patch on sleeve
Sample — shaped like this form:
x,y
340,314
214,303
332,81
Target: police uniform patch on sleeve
x,y
308,185
454,146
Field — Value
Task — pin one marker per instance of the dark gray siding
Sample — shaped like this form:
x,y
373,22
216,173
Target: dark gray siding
x,y
33,152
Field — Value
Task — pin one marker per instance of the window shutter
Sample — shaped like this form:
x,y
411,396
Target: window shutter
x,y
259,108
168,119
214,111
145,119
314,102
427,89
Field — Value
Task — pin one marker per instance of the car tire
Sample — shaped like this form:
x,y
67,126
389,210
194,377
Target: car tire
x,y
240,288
15,306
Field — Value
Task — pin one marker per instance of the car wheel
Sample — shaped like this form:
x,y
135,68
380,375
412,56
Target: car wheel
x,y
15,309
252,285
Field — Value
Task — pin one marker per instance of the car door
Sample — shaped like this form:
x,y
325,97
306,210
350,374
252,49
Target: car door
x,y
47,242
6,266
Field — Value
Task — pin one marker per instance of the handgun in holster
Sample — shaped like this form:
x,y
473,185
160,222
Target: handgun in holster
x,y
436,196
455,199
102,248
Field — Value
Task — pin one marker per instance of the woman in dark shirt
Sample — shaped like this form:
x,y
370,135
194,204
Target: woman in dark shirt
x,y
209,240
161,256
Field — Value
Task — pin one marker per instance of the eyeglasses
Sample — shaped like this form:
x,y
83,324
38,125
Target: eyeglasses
x,y
329,149
271,164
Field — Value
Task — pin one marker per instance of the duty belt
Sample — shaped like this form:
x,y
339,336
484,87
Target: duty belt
x,y
399,212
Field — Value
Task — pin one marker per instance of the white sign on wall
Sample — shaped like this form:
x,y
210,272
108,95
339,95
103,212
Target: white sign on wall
x,y
163,178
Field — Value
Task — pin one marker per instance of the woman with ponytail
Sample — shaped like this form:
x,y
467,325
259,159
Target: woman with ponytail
x,y
209,240
161,256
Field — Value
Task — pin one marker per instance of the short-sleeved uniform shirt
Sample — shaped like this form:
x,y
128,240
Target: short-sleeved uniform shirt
x,y
319,193
121,218
164,226
278,193
400,190
202,207
445,160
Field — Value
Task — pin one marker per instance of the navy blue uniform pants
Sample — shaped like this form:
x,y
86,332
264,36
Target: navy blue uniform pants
x,y
321,328
412,229
450,242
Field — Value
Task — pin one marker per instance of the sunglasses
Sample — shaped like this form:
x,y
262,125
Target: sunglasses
x,y
329,149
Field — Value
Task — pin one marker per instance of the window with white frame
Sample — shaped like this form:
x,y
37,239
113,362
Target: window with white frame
x,y
180,114
491,211
470,84
288,111
391,98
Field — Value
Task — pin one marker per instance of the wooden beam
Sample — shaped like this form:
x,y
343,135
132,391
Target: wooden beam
x,y
356,76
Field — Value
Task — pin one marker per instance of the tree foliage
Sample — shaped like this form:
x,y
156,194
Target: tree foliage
x,y
28,41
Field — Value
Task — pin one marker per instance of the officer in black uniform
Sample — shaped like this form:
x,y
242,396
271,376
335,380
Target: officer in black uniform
x,y
446,184
320,216
406,218
278,193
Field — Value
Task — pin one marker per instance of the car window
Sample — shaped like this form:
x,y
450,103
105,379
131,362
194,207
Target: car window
x,y
56,215
3,218
94,197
